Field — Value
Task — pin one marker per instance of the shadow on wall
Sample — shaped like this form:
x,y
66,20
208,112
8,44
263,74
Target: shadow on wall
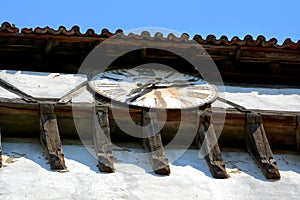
x,y
134,160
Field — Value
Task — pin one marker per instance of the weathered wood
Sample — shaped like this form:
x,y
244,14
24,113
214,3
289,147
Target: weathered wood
x,y
207,140
0,151
297,132
65,53
258,146
250,54
279,125
49,136
102,140
152,142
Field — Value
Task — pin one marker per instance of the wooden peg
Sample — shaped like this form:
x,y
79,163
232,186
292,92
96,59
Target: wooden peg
x,y
152,142
49,136
207,140
102,140
258,146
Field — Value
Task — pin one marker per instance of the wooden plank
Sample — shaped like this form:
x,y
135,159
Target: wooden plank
x,y
258,146
70,51
152,142
102,140
0,151
279,125
207,140
49,136
252,54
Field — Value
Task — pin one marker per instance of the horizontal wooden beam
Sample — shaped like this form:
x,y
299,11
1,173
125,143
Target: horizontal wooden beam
x,y
60,53
279,125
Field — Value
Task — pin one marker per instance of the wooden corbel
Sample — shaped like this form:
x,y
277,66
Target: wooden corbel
x,y
258,146
49,136
207,140
152,142
102,140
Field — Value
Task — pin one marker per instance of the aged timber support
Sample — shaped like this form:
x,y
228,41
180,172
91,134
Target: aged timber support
x,y
152,142
102,140
207,140
49,136
297,132
0,151
258,146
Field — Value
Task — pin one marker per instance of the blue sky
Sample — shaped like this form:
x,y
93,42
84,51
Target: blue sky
x,y
279,19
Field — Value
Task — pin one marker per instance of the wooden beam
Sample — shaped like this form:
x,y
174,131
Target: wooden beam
x,y
102,140
258,146
0,151
49,136
152,142
207,140
279,125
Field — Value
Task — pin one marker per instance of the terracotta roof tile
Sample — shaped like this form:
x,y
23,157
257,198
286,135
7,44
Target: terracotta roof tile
x,y
248,40
7,27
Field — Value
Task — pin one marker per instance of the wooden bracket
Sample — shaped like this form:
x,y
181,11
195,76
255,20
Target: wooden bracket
x,y
49,136
102,140
0,151
152,142
258,146
207,140
297,133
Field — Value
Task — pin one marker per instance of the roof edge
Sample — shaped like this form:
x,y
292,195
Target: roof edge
x,y
248,40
